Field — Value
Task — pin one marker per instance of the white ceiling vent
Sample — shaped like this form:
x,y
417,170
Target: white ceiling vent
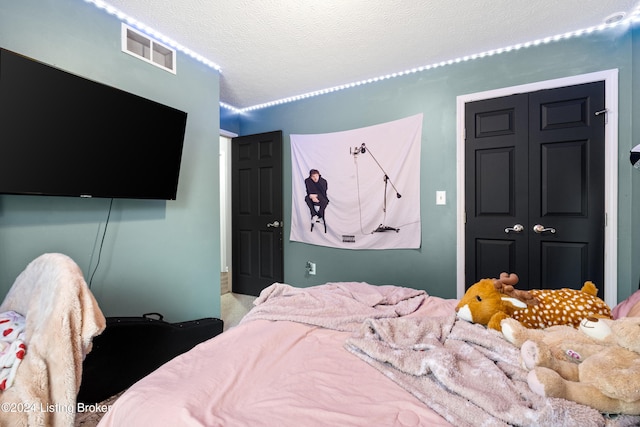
x,y
142,46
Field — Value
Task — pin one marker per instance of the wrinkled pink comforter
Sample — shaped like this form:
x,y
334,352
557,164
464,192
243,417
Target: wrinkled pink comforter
x,y
285,373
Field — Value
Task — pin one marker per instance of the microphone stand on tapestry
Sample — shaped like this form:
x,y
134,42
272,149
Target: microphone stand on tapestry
x,y
381,228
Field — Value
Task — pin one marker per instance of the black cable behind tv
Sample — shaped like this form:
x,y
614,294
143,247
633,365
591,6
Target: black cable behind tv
x,y
64,135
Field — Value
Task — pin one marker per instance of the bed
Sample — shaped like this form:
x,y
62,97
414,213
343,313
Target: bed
x,y
347,354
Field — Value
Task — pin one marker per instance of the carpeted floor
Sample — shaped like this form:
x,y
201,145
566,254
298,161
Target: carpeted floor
x,y
233,307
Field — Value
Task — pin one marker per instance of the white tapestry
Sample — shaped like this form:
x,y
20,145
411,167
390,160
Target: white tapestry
x,y
362,186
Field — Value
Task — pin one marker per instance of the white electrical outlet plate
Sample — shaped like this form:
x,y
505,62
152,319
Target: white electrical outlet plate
x,y
441,197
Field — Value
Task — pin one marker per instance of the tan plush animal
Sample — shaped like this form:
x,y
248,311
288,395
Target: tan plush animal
x,y
607,376
489,301
558,347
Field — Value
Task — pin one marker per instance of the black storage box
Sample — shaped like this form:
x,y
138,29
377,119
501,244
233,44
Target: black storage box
x,y
132,347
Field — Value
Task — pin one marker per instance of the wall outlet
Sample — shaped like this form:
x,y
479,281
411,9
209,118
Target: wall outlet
x,y
311,268
441,197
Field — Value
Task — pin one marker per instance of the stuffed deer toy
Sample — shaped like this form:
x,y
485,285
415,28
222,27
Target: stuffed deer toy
x,y
490,300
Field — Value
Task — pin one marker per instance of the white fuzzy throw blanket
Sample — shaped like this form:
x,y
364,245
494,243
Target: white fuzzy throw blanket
x,y
340,306
62,317
468,374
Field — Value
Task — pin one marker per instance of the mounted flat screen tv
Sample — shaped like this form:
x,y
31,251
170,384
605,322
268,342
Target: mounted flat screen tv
x,y
64,135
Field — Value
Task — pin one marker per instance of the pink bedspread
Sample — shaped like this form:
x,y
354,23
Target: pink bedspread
x,y
275,373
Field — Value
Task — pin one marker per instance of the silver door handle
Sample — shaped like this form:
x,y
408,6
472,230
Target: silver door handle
x,y
275,224
516,228
539,228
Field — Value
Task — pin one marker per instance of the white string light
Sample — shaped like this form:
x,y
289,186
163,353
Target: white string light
x,y
230,107
153,33
634,17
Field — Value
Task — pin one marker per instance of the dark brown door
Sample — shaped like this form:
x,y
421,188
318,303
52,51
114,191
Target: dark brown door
x,y
256,212
534,187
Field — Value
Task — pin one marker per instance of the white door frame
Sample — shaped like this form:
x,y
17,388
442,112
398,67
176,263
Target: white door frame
x,y
225,200
610,78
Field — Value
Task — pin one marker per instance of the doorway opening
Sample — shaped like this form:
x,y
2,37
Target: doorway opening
x,y
225,212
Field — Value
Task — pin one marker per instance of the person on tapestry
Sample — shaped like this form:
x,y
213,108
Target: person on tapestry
x,y
316,194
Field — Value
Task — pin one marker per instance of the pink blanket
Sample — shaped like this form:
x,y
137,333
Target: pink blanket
x,y
279,373
286,365
630,307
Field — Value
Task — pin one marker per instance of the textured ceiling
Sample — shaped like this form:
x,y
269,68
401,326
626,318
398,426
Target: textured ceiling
x,y
274,49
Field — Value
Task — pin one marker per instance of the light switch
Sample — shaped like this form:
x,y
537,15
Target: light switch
x,y
441,197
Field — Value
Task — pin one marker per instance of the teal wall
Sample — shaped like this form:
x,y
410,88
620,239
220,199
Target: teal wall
x,y
433,92
165,256
161,256
633,175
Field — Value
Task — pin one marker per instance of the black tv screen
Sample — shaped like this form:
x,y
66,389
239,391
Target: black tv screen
x,y
64,135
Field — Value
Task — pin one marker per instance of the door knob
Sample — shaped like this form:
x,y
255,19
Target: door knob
x,y
275,224
516,228
539,228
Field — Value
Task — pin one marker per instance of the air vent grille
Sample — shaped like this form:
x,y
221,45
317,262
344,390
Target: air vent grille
x,y
143,47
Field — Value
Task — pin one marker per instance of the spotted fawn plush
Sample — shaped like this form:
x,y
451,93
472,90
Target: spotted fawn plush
x,y
490,301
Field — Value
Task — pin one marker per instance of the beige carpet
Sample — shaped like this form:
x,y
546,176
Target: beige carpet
x,y
233,307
